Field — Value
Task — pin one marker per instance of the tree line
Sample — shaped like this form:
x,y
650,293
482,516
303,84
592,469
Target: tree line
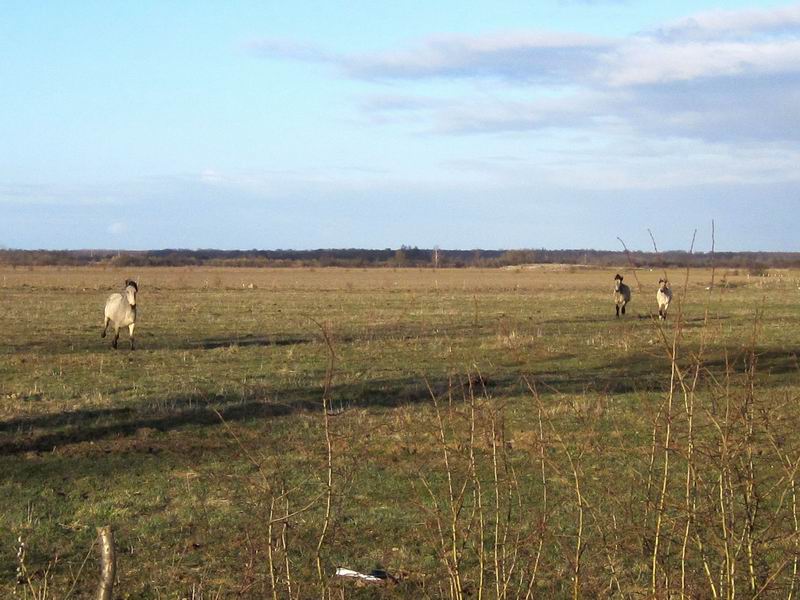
x,y
405,256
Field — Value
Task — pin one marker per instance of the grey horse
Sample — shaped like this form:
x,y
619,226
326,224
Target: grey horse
x,y
663,297
120,311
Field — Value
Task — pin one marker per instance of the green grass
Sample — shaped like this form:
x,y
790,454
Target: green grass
x,y
90,436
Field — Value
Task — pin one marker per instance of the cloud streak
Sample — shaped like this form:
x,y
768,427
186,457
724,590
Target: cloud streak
x,y
647,61
734,23
713,76
531,57
709,44
516,56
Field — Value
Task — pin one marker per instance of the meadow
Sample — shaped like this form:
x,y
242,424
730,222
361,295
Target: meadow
x,y
492,433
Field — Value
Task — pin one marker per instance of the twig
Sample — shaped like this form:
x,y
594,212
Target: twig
x,y
80,570
108,563
329,452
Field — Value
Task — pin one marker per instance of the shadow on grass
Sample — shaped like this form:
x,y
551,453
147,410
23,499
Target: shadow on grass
x,y
245,342
147,341
767,362
638,374
89,340
45,432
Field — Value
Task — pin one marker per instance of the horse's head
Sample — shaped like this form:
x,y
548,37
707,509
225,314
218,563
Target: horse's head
x,y
617,281
130,291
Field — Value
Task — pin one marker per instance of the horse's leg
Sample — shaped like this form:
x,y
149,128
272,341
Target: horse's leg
x,y
130,333
116,337
102,335
618,311
623,309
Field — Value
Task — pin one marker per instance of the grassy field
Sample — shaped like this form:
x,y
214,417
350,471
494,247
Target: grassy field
x,y
488,433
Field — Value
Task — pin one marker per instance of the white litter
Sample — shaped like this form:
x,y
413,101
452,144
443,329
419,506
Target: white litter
x,y
342,572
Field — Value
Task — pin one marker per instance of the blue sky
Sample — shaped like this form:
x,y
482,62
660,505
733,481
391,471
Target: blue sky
x,y
559,124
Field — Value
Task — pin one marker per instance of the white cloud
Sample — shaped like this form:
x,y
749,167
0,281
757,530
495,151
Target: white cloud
x,y
51,194
628,163
708,44
645,61
525,55
211,177
727,23
117,228
714,76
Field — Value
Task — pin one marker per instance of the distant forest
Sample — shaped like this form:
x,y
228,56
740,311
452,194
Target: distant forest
x,y
393,258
